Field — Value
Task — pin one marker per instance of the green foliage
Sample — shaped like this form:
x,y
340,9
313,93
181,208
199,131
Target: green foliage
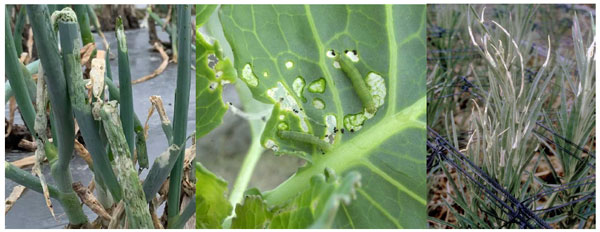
x,y
212,206
126,95
84,23
19,26
315,207
284,55
213,70
182,100
252,214
203,12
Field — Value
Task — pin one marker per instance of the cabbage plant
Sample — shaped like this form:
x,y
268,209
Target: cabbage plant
x,y
345,88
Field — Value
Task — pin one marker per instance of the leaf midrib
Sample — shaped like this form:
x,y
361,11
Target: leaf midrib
x,y
352,152
393,49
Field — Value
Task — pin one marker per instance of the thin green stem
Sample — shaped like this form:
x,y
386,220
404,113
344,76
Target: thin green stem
x,y
160,22
126,95
26,179
31,86
180,221
243,178
53,126
170,28
30,83
94,19
19,25
182,98
84,23
8,92
173,34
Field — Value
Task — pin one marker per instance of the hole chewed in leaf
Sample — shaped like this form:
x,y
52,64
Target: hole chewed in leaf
x,y
336,65
271,145
352,55
317,86
289,64
331,53
282,126
331,130
213,85
248,76
218,74
288,102
298,86
212,60
376,88
318,104
354,122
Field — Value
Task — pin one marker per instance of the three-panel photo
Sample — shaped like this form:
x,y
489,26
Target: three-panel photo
x,y
455,116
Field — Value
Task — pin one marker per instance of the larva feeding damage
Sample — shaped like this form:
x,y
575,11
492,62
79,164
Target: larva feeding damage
x,y
358,83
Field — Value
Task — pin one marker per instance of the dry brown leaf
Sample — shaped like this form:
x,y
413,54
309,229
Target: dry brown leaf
x,y
83,153
158,105
146,126
190,155
23,57
96,224
92,185
160,68
100,54
191,223
157,102
88,198
29,46
37,171
86,53
11,115
117,213
155,219
97,72
163,192
27,145
24,162
168,18
13,197
189,189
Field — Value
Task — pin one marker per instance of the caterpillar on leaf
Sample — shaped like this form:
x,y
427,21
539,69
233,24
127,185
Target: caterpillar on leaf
x,y
304,138
358,82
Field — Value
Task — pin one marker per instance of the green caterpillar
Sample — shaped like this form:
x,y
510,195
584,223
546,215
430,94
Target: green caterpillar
x,y
304,138
358,82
